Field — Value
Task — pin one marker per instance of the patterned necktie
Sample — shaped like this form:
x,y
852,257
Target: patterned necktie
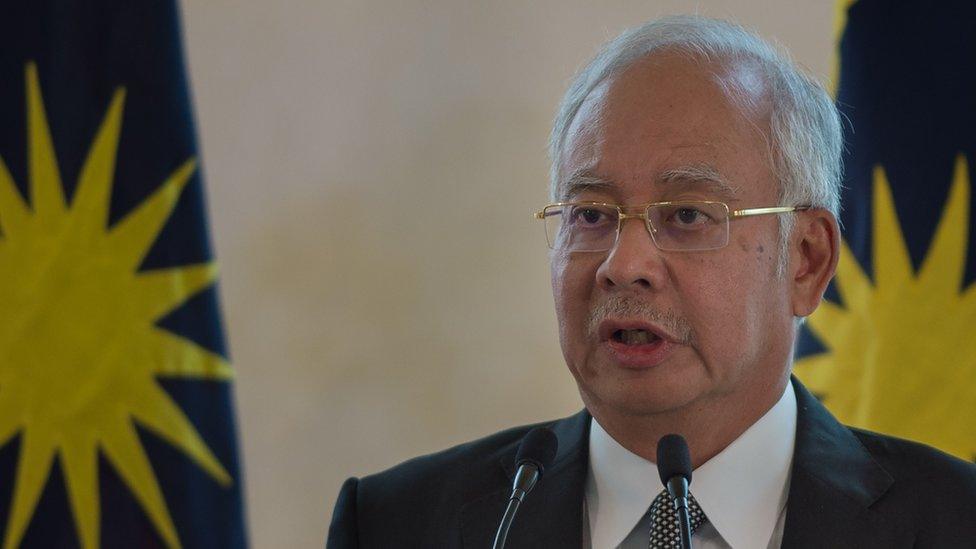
x,y
664,521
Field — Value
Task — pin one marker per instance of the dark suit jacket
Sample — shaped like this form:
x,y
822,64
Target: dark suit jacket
x,y
849,488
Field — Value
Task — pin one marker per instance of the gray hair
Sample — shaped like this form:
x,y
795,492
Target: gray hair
x,y
805,141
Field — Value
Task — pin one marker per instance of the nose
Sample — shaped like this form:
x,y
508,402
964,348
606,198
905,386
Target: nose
x,y
634,263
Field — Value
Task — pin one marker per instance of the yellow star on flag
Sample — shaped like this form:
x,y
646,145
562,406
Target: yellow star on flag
x,y
80,351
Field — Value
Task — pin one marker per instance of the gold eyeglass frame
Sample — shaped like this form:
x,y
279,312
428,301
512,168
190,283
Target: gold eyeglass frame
x,y
621,216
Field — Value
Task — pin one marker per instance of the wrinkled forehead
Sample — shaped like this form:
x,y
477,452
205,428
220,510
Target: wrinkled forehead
x,y
674,104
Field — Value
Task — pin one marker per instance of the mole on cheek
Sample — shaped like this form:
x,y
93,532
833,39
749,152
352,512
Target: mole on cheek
x,y
760,249
743,243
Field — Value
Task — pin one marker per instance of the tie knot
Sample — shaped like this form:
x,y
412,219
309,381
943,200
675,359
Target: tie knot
x,y
665,528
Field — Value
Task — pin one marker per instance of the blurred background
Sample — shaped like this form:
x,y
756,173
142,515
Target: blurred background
x,y
372,169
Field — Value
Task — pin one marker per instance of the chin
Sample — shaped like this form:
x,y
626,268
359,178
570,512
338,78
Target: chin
x,y
639,395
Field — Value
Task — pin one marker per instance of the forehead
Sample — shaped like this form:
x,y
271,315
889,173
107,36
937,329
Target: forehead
x,y
699,177
670,113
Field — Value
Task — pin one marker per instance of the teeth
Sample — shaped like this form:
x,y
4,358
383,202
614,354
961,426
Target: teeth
x,y
635,337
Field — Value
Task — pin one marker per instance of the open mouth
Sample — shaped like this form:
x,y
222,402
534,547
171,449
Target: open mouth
x,y
634,343
635,337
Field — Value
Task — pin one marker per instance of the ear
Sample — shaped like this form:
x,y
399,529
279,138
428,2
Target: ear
x,y
814,255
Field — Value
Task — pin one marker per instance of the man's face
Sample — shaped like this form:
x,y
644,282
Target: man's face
x,y
718,322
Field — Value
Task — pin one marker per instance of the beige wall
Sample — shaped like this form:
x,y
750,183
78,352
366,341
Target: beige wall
x,y
372,170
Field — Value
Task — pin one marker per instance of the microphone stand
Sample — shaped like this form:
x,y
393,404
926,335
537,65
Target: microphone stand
x,y
674,466
678,488
535,455
502,534
525,479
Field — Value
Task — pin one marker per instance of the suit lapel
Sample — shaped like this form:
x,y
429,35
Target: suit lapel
x,y
551,515
833,484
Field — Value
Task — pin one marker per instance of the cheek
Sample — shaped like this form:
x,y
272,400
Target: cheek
x,y
723,302
711,297
557,275
572,285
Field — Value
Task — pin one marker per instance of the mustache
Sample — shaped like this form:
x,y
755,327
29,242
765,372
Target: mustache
x,y
631,307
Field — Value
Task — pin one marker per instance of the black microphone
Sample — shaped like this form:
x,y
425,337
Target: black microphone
x,y
535,454
674,466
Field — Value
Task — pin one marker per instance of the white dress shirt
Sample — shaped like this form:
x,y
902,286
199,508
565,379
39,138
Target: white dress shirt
x,y
742,490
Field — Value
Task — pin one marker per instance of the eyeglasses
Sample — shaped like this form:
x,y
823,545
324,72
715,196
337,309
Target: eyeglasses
x,y
685,226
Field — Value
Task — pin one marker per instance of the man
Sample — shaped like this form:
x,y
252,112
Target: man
x,y
695,183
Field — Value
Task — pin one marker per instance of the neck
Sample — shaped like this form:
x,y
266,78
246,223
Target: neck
x,y
708,425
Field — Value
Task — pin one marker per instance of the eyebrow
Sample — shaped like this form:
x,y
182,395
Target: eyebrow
x,y
701,174
584,180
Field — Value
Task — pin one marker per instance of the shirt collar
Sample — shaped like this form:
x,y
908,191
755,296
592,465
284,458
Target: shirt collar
x,y
741,495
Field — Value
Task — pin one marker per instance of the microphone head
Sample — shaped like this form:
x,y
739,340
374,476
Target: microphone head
x,y
673,458
538,448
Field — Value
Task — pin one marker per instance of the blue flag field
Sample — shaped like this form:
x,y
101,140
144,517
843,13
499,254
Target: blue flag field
x,y
893,350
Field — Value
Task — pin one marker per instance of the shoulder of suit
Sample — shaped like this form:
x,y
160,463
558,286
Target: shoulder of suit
x,y
469,468
935,477
904,458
